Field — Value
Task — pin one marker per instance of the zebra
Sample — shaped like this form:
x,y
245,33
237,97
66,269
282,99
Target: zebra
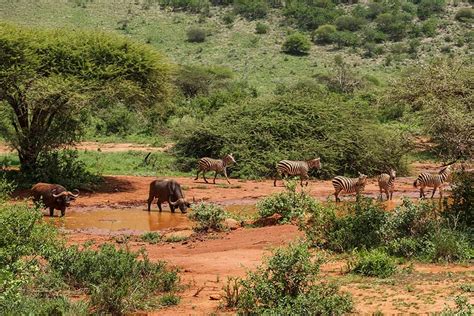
x,y
293,168
349,185
387,184
218,165
432,180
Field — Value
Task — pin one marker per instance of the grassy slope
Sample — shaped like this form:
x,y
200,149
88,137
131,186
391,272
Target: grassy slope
x,y
255,58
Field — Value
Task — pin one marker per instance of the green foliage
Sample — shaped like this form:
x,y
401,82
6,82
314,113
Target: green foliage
x,y
56,75
116,279
261,28
289,204
194,6
374,263
151,237
439,96
345,39
460,212
429,27
229,18
196,35
295,125
195,81
251,9
309,15
323,34
6,188
348,23
63,167
463,307
296,44
286,284
396,26
426,8
465,15
208,217
448,245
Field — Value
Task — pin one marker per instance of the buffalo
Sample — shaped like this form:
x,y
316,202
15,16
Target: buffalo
x,y
53,196
167,191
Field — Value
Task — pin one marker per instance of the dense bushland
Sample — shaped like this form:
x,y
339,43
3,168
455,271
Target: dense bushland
x,y
296,125
38,271
287,284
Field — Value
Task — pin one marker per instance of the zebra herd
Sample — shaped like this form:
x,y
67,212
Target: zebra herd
x,y
286,168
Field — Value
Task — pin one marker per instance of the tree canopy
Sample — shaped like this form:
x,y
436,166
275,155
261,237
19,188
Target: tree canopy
x,y
49,79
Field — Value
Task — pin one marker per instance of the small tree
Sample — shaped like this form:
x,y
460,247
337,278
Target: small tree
x,y
48,79
296,44
324,33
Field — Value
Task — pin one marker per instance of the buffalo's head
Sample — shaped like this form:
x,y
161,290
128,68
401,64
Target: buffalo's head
x,y
65,197
182,204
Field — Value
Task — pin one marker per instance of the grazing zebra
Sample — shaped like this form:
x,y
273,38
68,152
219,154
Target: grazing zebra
x,y
387,183
218,165
432,181
293,168
349,185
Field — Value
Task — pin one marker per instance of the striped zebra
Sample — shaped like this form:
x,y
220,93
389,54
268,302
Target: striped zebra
x,y
349,185
432,181
287,168
218,165
387,184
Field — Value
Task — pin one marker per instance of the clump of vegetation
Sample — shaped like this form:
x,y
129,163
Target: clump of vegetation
x,y
151,237
208,217
194,6
38,270
465,15
251,9
289,204
196,35
324,34
296,44
261,28
463,307
296,124
287,284
373,263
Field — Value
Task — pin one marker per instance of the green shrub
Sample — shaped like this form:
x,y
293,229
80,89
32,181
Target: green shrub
x,y
396,26
463,307
195,81
374,263
116,279
208,217
261,28
229,18
151,237
63,167
426,8
251,9
116,119
169,300
345,39
429,27
286,285
460,211
6,188
309,15
373,35
348,23
448,246
194,6
296,44
323,34
196,35
289,204
296,125
465,15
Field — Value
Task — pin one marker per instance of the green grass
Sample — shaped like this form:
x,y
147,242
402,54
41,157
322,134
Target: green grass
x,y
119,163
255,58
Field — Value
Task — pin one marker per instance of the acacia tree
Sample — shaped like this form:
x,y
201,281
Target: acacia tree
x,y
49,79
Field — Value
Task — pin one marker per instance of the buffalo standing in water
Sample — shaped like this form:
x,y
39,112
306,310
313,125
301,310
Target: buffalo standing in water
x,y
167,191
53,196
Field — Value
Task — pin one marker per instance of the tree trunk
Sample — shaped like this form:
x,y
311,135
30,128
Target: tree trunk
x,y
28,159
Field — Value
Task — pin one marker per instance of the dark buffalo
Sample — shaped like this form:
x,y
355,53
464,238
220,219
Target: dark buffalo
x,y
167,191
53,196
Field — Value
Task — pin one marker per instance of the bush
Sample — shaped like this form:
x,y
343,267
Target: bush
x,y
117,280
463,307
286,285
229,18
209,217
372,35
348,23
448,246
374,263
289,204
194,6
63,167
345,39
297,125
151,237
429,27
196,35
460,211
323,34
465,15
261,28
309,15
426,8
251,9
396,26
296,44
195,81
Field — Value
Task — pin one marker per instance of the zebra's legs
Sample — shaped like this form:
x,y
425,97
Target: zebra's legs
x,y
275,181
215,176
422,192
336,194
440,192
381,195
388,195
434,190
197,176
204,176
225,174
391,195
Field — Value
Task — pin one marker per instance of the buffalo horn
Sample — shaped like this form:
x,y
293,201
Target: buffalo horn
x,y
76,193
176,202
59,194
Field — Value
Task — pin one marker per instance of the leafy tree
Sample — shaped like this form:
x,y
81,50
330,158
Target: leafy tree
x,y
323,34
49,79
296,44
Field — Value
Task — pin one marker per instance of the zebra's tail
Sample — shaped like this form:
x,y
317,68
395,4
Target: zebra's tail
x,y
415,183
